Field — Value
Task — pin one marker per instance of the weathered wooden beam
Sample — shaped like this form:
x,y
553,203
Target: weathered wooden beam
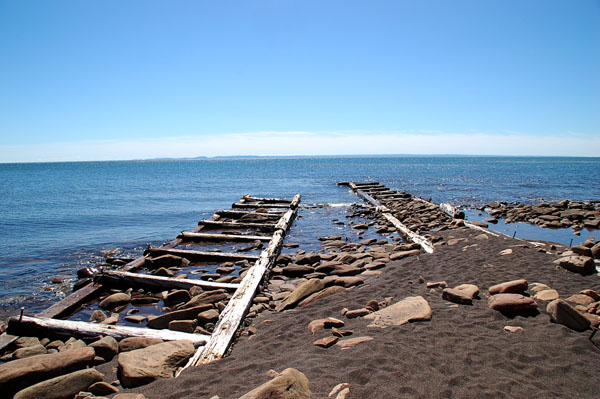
x,y
240,302
414,237
118,277
374,189
72,302
237,225
228,213
258,199
366,184
452,211
83,329
258,205
199,255
189,236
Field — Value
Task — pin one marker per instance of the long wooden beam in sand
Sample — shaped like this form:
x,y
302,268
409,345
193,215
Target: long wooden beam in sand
x,y
81,328
239,304
146,280
386,212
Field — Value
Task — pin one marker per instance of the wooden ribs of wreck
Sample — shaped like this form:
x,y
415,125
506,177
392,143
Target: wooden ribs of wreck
x,y
232,315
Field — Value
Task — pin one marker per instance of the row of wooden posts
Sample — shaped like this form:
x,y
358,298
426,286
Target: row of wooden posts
x,y
276,216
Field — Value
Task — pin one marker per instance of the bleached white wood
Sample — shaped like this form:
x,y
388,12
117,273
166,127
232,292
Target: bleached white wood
x,y
161,281
258,205
237,225
81,328
240,302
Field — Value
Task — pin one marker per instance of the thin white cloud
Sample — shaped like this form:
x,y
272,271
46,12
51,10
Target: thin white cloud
x,y
274,143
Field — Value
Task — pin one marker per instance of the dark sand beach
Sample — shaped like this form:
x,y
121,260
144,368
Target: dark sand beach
x,y
462,352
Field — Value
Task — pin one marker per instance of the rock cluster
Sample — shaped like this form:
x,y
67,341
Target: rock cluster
x,y
66,369
562,214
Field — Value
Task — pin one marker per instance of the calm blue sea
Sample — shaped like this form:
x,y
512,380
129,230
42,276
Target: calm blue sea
x,y
56,217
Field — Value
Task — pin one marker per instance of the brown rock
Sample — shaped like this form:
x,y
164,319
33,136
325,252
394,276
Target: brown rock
x,y
341,333
133,343
28,351
351,342
304,290
512,303
176,297
404,254
115,300
580,299
410,309
582,250
437,284
372,305
596,251
563,313
162,321
204,298
321,294
165,261
208,316
129,396
592,294
546,295
505,252
352,314
142,366
106,347
61,387
102,388
578,264
326,342
346,270
347,281
18,374
296,270
509,287
187,326
290,384
135,318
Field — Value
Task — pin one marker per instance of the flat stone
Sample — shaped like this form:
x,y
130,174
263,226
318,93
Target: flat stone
x,y
23,342
208,316
437,284
21,373
580,299
547,295
115,300
352,314
536,287
162,321
326,342
509,287
457,296
296,270
290,384
165,261
135,318
304,290
141,366
307,259
187,326
28,351
594,319
562,313
352,342
512,329
410,309
61,387
133,343
591,293
346,270
512,303
577,264
129,396
71,345
321,294
345,281
204,298
404,254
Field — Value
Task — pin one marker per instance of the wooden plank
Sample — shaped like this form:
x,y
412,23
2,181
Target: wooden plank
x,y
365,184
237,225
186,235
72,302
452,211
199,255
258,205
81,328
240,302
229,213
113,276
276,200
374,189
414,237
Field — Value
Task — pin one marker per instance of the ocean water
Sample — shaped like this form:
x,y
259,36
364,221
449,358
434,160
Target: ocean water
x,y
57,217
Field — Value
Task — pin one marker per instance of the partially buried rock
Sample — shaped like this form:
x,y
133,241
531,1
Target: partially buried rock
x,y
62,387
354,313
509,287
141,366
547,295
326,342
562,313
102,388
410,309
352,342
512,303
463,294
132,343
290,384
114,300
176,297
28,351
305,289
98,316
578,264
580,299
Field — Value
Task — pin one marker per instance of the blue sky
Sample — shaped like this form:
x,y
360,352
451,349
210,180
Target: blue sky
x,y
83,80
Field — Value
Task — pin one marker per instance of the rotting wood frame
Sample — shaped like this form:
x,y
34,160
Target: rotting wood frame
x,y
209,347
